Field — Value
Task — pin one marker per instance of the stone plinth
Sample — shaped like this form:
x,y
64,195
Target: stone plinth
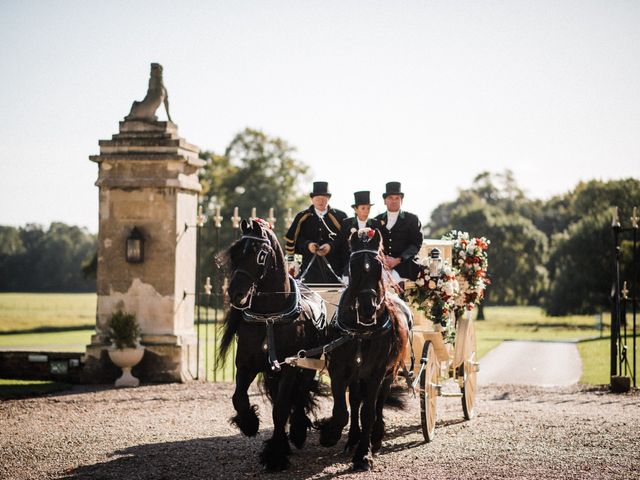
x,y
148,179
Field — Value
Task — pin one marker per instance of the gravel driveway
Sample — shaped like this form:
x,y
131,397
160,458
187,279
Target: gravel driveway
x,y
181,431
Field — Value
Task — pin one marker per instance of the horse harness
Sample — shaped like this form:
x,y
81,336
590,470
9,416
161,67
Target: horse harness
x,y
294,312
348,334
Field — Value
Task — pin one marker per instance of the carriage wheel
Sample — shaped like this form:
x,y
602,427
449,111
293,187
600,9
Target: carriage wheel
x,y
429,391
469,376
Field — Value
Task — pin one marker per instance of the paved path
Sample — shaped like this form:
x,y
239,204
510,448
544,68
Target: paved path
x,y
542,364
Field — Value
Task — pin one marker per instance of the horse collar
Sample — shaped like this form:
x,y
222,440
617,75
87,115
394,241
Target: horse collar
x,y
358,333
290,313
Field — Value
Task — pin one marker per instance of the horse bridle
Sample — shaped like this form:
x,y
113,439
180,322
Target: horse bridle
x,y
367,291
265,251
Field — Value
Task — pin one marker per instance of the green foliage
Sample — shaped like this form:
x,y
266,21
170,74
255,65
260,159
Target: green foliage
x,y
35,260
256,171
124,330
581,258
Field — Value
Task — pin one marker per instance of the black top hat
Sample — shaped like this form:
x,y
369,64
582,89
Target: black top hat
x,y
320,188
361,198
393,188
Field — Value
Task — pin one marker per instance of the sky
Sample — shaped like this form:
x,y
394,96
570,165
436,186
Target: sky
x,y
428,93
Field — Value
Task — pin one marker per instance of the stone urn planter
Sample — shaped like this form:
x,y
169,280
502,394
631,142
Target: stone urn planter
x,y
126,359
126,352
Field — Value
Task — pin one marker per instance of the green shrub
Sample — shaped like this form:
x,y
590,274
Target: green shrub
x,y
124,330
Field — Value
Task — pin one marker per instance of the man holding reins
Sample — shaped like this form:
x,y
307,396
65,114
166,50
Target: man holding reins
x,y
311,234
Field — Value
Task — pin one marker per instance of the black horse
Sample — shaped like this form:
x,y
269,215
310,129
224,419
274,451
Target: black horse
x,y
273,317
378,327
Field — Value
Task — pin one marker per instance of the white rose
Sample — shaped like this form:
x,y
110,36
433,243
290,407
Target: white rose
x,y
420,282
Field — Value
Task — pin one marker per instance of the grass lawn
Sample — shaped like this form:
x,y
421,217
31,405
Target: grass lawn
x,y
29,311
60,318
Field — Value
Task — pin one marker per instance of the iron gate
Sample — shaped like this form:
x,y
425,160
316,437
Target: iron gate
x,y
624,302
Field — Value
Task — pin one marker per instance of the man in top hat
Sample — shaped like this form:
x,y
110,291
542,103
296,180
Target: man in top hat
x,y
361,207
310,235
401,233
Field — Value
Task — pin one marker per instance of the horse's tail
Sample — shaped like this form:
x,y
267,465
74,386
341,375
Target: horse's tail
x,y
231,322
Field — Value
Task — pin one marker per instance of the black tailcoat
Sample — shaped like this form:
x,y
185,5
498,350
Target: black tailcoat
x,y
307,227
402,241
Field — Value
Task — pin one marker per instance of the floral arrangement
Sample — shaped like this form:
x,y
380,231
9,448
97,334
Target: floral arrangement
x,y
458,288
435,296
471,262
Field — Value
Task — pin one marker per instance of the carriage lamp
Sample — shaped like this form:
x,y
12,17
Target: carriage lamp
x,y
134,248
435,263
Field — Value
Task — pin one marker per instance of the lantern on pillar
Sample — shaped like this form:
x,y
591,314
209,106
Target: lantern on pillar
x,y
134,248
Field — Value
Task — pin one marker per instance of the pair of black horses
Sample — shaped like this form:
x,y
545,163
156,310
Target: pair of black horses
x,y
275,317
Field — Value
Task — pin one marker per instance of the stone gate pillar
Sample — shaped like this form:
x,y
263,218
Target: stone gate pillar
x,y
148,181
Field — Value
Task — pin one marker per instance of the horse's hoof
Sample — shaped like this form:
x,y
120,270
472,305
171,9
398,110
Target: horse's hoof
x,y
363,465
274,455
249,423
329,434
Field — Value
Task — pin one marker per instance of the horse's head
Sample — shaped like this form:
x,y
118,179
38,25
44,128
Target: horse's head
x,y
253,258
365,274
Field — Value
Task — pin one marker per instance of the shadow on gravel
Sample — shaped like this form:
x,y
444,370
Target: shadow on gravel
x,y
217,457
227,457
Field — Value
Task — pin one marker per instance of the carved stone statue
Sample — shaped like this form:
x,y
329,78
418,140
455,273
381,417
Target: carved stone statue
x,y
156,94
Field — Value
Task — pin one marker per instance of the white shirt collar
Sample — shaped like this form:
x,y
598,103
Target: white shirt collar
x,y
361,223
319,213
392,218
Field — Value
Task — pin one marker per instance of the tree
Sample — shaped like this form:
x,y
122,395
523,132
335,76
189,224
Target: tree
x,y
581,259
46,261
581,264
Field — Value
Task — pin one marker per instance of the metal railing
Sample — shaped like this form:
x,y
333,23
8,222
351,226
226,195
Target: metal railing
x,y
624,299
